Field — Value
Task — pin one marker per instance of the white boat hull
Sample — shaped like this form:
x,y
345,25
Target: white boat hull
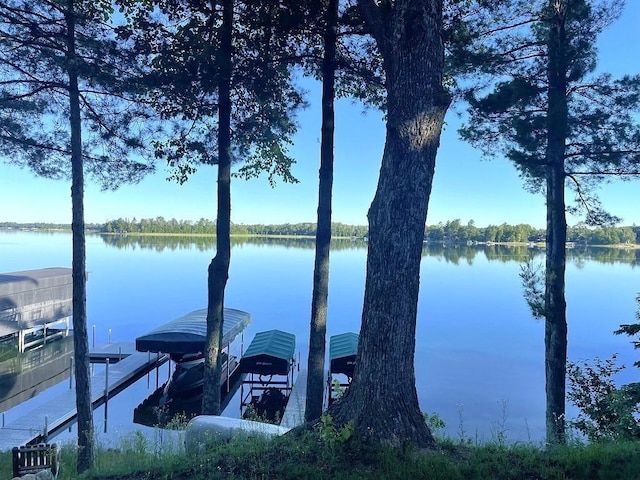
x,y
208,429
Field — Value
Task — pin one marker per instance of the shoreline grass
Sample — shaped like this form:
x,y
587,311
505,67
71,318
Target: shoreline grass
x,y
311,456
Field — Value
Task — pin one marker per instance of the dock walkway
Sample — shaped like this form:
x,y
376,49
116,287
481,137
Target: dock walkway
x,y
58,412
115,352
296,406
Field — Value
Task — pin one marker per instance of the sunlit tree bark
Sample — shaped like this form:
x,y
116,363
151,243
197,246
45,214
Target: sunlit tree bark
x,y
382,401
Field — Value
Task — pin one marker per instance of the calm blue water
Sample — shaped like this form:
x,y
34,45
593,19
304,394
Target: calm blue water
x,y
479,353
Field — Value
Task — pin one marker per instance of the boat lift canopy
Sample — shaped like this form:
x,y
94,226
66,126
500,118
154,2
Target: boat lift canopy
x,y
188,334
270,353
342,352
34,297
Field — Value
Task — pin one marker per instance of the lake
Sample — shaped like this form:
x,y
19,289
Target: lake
x,y
479,353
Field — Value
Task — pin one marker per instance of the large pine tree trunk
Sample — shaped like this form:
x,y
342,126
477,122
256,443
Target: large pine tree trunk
x,y
80,335
382,399
555,306
219,267
318,329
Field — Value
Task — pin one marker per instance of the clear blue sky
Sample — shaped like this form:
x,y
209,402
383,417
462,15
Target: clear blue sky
x,y
465,187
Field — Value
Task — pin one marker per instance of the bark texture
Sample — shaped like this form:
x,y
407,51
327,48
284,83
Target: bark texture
x,y
382,400
219,267
555,305
318,328
80,335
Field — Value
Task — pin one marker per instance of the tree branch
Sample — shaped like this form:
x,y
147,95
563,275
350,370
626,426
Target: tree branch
x,y
374,21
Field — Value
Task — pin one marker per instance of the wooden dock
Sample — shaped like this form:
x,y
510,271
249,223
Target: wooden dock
x,y
114,351
60,411
296,406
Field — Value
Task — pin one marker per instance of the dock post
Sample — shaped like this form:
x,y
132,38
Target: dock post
x,y
70,373
106,378
228,361
94,337
157,369
106,393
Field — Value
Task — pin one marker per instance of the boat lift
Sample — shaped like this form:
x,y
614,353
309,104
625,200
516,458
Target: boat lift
x,y
343,349
269,366
184,339
35,307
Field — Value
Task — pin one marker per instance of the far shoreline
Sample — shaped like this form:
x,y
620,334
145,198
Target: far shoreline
x,y
540,245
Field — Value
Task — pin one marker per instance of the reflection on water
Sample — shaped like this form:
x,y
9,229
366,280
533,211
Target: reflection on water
x,y
204,243
26,374
35,346
476,342
454,254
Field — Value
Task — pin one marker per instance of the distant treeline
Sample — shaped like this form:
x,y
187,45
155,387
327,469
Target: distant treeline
x,y
451,232
47,226
208,227
455,232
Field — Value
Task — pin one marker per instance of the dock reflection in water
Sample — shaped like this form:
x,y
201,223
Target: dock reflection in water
x,y
25,375
35,346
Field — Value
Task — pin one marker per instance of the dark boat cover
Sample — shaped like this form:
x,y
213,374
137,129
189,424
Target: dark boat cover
x,y
188,334
34,297
342,352
270,353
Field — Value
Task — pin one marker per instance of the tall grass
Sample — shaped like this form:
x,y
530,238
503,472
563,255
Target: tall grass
x,y
332,453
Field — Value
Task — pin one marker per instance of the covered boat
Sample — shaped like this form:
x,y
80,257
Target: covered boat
x,y
269,364
343,349
184,339
342,353
270,353
35,306
188,334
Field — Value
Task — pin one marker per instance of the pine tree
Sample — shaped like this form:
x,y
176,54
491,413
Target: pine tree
x,y
562,125
62,112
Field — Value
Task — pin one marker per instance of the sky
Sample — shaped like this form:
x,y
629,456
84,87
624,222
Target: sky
x,y
465,187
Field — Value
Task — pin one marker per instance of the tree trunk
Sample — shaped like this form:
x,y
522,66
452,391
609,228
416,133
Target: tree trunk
x,y
318,330
80,335
382,401
219,267
555,306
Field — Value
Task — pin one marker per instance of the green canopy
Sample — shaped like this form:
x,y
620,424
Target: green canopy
x,y
342,352
270,353
188,334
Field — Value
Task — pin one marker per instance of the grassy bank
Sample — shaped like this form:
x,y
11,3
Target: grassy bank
x,y
322,456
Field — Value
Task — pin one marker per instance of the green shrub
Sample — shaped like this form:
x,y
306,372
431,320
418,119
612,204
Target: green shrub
x,y
606,411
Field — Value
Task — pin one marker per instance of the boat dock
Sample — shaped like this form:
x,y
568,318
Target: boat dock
x,y
56,414
35,306
114,351
297,404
